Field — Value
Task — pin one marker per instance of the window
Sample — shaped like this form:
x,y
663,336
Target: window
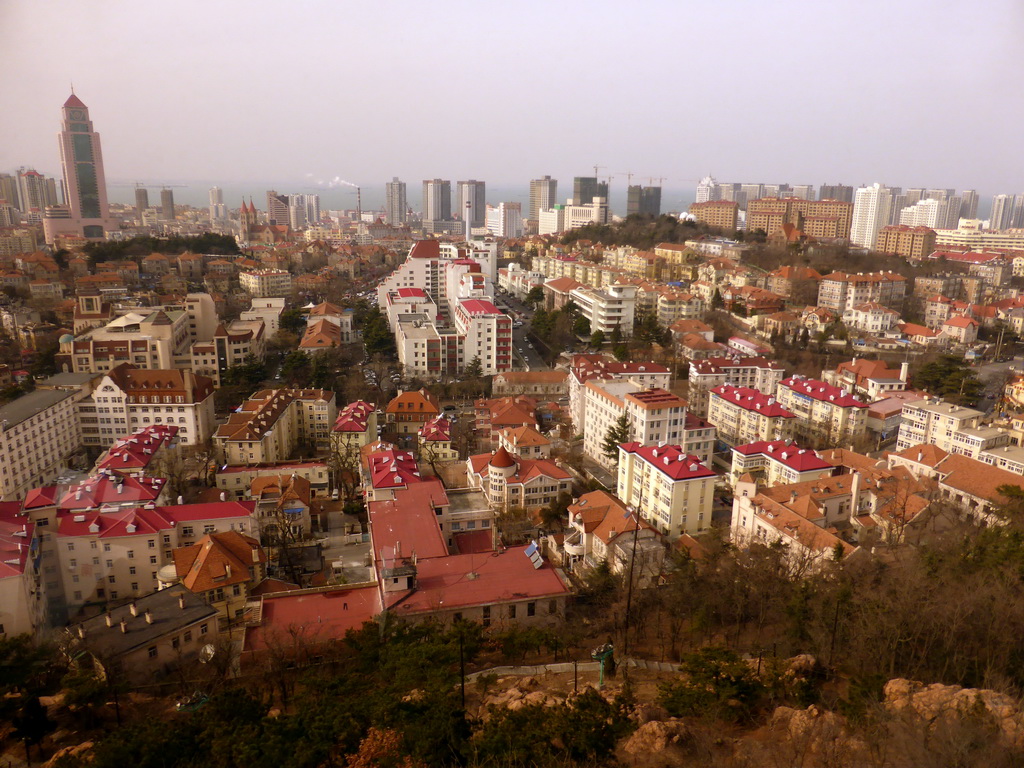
x,y
71,546
511,611
73,562
175,642
236,590
204,628
152,560
531,609
152,651
111,579
106,547
188,635
131,570
135,586
152,543
131,554
486,615
110,563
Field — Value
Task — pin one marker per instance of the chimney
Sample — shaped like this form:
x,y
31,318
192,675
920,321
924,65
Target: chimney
x,y
149,616
223,496
124,627
109,619
181,601
134,608
904,372
855,494
227,570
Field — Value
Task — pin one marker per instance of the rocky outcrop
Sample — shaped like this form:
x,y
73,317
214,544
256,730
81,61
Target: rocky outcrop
x,y
655,737
76,751
936,702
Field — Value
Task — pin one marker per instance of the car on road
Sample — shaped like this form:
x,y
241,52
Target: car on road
x,y
450,408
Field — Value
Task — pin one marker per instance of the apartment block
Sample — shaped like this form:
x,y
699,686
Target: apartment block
x,y
828,219
598,367
266,283
935,422
671,489
824,412
757,373
716,213
270,425
777,462
743,415
906,241
840,291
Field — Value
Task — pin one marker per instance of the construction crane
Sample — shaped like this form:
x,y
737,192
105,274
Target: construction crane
x,y
596,167
659,179
629,176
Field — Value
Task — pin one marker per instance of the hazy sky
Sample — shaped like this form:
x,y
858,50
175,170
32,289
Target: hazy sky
x,y
904,92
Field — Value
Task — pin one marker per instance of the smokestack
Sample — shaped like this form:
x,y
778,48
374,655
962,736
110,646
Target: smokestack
x,y
855,495
904,372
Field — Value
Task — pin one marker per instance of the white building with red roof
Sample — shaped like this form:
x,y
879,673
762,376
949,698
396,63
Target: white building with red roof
x,y
778,461
511,481
435,441
21,590
672,489
355,427
758,373
961,329
132,455
602,528
825,412
744,415
599,367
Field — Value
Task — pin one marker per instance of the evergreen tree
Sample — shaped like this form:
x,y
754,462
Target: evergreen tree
x,y
617,433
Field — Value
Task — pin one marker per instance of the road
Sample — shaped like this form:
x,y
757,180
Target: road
x,y
993,376
519,341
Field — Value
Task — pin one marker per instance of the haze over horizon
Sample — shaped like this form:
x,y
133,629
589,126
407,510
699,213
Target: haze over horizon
x,y
234,94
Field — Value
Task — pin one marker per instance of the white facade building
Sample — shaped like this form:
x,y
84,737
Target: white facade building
x,y
870,213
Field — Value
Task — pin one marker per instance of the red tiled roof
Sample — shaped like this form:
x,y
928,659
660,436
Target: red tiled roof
x,y
671,460
790,454
819,390
751,400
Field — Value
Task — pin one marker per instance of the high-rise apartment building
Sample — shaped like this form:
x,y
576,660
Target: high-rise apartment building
x,y
543,195
473,203
643,200
836,192
167,204
437,200
303,211
1001,216
9,190
277,208
505,219
35,191
85,210
969,204
925,213
586,188
396,205
707,190
141,201
870,214
218,211
818,218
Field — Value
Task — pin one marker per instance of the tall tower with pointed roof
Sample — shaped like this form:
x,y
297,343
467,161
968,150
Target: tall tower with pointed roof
x,y
85,211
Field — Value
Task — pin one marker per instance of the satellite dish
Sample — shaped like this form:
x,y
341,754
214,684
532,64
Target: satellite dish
x,y
206,653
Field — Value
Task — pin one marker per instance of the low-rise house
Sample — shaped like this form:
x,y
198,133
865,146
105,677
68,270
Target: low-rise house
x,y
509,481
282,502
758,373
409,411
222,569
500,413
525,442
602,528
870,317
961,329
872,379
435,440
546,384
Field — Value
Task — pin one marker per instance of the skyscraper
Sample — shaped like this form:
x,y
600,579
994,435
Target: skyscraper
x,y
396,206
586,188
543,195
85,209
1001,216
437,200
707,189
277,208
167,204
9,190
218,211
969,206
473,204
870,213
505,219
643,200
141,201
303,211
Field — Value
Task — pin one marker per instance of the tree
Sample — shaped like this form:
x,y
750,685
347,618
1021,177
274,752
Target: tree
x,y
535,296
716,301
621,352
617,433
617,334
949,377
597,339
474,369
581,326
292,321
377,336
296,368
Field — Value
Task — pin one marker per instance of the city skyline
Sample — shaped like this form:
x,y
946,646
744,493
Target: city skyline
x,y
857,133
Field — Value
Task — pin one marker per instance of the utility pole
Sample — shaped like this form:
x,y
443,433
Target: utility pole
x,y
629,589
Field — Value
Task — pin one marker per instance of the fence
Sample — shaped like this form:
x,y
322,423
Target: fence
x,y
568,666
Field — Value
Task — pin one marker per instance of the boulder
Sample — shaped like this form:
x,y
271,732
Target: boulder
x,y
937,701
74,751
655,736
